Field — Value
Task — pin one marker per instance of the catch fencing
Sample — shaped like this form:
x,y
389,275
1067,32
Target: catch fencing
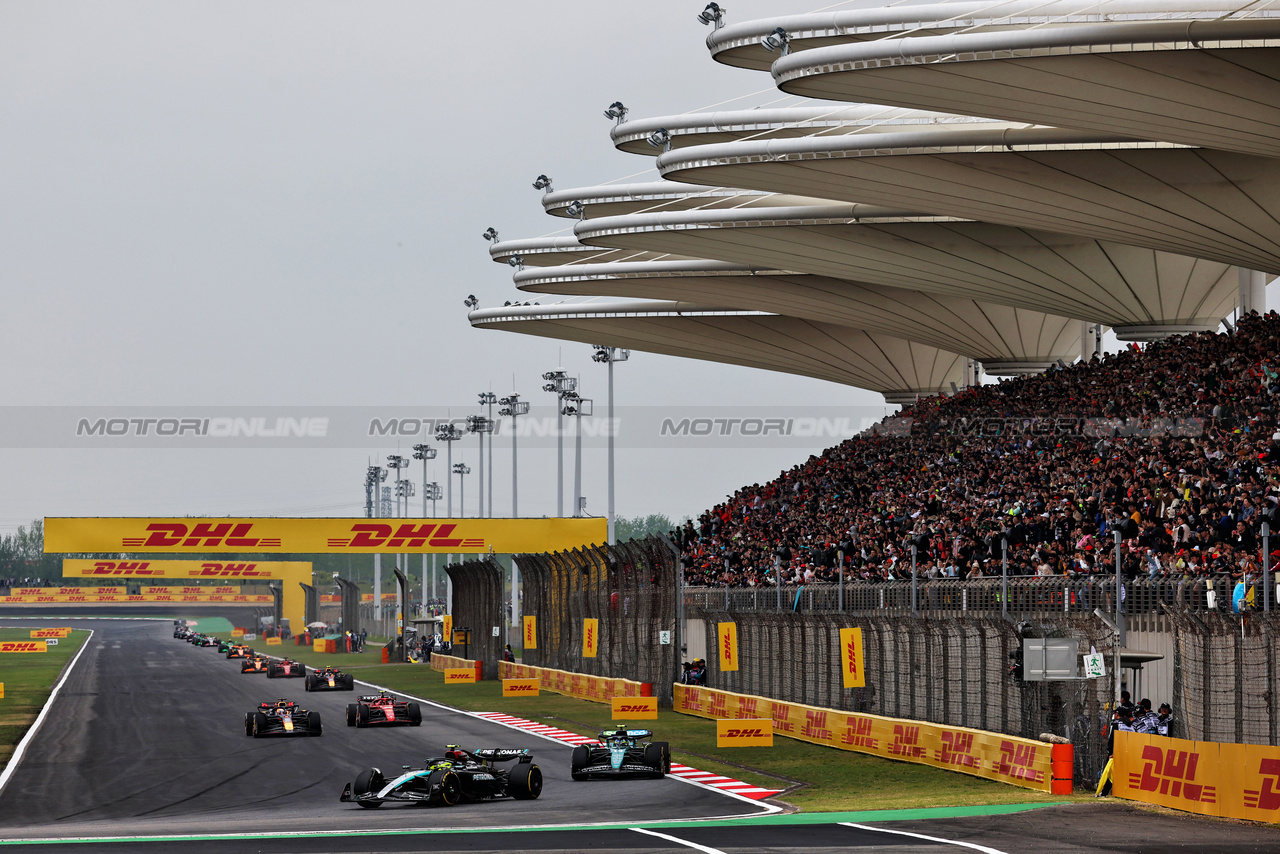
x,y
478,608
630,588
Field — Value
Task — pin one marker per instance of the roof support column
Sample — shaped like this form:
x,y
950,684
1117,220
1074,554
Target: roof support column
x,y
1253,291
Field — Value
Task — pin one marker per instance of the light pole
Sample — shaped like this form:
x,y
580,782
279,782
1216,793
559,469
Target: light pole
x,y
448,433
559,383
609,355
488,398
373,478
402,492
430,492
480,425
462,470
577,406
513,406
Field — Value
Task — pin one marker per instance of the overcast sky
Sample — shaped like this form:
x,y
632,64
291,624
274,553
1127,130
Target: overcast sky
x,y
242,204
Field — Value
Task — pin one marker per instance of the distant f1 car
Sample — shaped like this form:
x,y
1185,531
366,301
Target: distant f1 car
x,y
622,752
286,668
255,664
281,717
460,775
239,651
206,640
383,710
330,679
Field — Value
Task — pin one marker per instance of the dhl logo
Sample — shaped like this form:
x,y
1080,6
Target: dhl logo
x,y
782,718
858,733
207,534
1267,797
591,637
851,657
23,646
50,633
122,567
1172,773
522,689
693,699
371,535
1017,761
717,707
727,650
631,708
460,675
906,741
957,749
747,706
229,570
815,726
744,732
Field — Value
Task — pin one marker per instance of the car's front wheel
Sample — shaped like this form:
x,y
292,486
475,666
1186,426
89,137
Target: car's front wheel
x,y
368,781
446,786
581,757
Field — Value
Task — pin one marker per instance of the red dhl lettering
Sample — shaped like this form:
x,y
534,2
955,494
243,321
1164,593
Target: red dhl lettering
x,y
207,534
780,718
851,657
717,707
515,688
626,708
229,570
815,725
693,699
747,707
743,733
46,598
858,734
77,598
906,741
727,652
21,646
1172,772
1268,796
370,535
122,567
956,750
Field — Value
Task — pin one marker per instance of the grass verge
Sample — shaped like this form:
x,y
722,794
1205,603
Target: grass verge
x,y
28,680
820,779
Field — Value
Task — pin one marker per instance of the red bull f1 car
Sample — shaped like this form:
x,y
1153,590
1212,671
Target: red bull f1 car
x,y
281,717
255,664
622,753
383,710
286,668
330,679
460,775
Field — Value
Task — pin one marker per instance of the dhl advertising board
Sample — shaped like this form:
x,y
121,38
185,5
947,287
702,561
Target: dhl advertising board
x,y
1205,777
445,663
208,599
63,535
24,646
635,708
50,633
520,687
1018,761
595,688
190,570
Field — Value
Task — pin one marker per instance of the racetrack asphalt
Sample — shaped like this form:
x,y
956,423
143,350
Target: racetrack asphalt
x,y
147,738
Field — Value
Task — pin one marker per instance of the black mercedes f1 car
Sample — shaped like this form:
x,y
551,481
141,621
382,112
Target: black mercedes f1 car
x,y
281,717
622,752
460,775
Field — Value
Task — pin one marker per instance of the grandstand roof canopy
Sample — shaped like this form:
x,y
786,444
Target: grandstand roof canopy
x,y
1142,292
899,369
558,251
1006,340
617,199
1210,204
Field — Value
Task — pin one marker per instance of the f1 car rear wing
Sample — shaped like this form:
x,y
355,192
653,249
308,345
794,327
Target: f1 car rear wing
x,y
630,733
500,754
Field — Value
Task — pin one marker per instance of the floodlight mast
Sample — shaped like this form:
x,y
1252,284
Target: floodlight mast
x,y
617,111
713,14
608,355
559,383
513,406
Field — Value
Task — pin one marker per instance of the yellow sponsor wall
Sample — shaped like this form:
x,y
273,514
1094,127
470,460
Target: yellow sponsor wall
x,y
530,632
206,598
444,663
590,637
1205,777
595,688
319,536
1019,761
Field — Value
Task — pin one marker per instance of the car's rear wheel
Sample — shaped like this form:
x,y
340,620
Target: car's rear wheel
x,y
581,758
351,714
349,682
362,715
248,723
656,757
446,785
307,683
415,715
313,723
272,671
368,781
259,724
525,782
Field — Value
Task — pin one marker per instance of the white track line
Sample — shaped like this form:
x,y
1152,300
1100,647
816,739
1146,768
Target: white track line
x,y
677,840
18,752
972,845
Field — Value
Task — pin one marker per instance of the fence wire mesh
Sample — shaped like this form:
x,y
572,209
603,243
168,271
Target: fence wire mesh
x,y
478,606
630,588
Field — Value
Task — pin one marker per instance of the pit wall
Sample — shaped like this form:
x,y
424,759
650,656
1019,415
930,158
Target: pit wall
x,y
597,689
1205,777
1005,759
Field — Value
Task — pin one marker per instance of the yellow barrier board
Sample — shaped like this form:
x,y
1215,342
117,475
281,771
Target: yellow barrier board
x,y
1006,759
23,646
530,632
590,637
273,641
1205,777
635,708
63,535
446,626
237,633
1,690
68,591
727,641
597,689
50,633
191,570
520,687
746,732
318,646
455,675
851,660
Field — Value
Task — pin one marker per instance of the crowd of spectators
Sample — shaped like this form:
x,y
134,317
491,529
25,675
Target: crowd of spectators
x,y
1174,445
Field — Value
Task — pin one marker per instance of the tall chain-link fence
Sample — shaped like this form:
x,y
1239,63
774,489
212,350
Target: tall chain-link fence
x,y
629,588
1226,675
478,608
952,671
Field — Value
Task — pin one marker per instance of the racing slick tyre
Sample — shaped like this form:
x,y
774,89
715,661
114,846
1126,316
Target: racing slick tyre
x,y
248,723
272,671
450,787
306,683
259,724
362,715
313,723
351,714
348,682
525,782
581,756
367,781
658,756
415,715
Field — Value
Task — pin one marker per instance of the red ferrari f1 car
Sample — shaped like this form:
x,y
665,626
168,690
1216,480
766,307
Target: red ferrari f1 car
x,y
286,667
383,710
